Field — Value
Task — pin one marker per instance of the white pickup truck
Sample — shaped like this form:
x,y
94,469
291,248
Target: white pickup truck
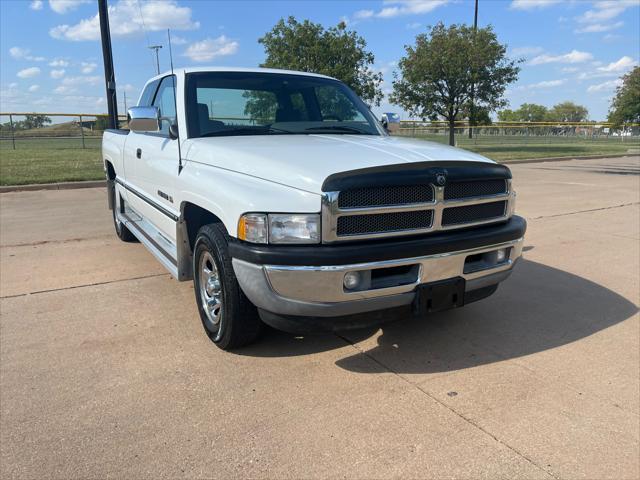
x,y
287,203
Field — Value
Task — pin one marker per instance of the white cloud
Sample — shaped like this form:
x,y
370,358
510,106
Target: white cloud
x,y
524,51
29,72
362,14
34,88
58,62
209,49
13,85
64,89
621,65
64,6
543,84
608,85
125,20
610,37
574,56
17,52
409,7
569,69
531,4
24,54
549,83
57,73
81,81
599,27
413,25
88,67
397,8
177,40
36,5
606,10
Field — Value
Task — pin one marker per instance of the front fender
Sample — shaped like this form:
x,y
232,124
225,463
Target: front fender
x,y
228,194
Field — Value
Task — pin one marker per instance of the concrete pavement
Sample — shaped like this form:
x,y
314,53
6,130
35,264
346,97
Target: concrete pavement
x,y
105,370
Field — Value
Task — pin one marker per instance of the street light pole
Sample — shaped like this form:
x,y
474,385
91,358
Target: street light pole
x,y
107,55
473,86
156,48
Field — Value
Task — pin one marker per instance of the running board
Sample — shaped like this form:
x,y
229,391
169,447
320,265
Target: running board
x,y
150,237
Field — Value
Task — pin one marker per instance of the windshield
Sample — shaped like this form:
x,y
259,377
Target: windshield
x,y
256,103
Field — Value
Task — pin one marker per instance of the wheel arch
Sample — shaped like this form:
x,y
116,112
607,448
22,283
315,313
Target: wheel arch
x,y
194,216
109,170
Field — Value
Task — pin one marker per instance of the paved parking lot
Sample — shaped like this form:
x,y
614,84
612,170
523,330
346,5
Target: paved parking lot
x,y
105,370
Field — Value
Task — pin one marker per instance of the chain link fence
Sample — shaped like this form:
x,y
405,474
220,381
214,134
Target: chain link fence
x,y
55,147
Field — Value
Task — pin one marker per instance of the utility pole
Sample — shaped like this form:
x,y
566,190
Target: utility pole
x,y
473,86
156,48
107,55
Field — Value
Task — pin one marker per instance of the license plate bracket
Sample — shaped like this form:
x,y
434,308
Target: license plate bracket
x,y
439,296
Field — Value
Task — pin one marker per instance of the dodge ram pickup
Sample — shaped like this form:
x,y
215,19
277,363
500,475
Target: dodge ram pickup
x,y
288,203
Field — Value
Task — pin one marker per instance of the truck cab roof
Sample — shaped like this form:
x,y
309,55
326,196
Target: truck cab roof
x,y
239,69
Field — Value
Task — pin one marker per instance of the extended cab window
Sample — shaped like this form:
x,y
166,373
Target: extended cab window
x,y
165,100
257,103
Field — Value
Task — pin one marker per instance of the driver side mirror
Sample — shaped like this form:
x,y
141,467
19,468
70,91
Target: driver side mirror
x,y
144,119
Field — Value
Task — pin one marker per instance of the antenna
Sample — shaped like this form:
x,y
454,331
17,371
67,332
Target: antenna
x,y
175,102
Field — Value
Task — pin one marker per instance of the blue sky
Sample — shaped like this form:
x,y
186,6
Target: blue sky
x,y
51,59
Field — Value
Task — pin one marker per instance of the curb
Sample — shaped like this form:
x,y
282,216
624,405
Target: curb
x,y
564,159
53,186
103,183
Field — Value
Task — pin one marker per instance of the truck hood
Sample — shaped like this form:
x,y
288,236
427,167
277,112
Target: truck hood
x,y
304,161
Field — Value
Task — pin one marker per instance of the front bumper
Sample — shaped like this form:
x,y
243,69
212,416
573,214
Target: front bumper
x,y
310,290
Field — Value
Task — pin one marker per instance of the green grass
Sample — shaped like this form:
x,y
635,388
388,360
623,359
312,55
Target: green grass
x,y
49,160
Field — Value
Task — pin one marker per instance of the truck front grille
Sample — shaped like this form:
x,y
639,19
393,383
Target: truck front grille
x,y
378,211
384,222
474,188
385,196
473,213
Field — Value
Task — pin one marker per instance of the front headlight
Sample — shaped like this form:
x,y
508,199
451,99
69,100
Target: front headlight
x,y
294,228
282,228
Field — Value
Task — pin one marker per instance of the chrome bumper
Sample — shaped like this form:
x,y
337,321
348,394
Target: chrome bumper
x,y
319,291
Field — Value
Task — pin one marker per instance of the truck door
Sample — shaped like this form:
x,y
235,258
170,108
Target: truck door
x,y
153,167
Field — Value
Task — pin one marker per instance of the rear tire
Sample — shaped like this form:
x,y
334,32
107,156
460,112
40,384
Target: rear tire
x,y
122,231
228,317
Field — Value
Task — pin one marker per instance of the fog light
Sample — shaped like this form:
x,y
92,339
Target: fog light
x,y
501,255
351,280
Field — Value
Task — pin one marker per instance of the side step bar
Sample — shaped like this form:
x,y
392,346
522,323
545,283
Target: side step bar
x,y
150,237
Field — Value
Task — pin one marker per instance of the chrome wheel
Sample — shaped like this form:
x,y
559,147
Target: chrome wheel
x,y
210,288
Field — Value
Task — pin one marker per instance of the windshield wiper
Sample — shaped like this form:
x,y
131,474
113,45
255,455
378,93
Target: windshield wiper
x,y
241,131
338,128
248,131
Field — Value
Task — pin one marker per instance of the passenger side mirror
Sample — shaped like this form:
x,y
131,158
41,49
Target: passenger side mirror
x,y
143,119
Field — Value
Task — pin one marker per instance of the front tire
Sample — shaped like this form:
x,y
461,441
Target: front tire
x,y
228,317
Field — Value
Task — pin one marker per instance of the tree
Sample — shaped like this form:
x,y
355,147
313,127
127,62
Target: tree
x,y
336,52
567,112
625,106
528,112
436,74
508,115
35,120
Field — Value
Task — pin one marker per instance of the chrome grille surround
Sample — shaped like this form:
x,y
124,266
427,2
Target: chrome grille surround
x,y
331,212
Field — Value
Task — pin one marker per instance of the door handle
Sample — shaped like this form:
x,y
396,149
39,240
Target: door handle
x,y
139,153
